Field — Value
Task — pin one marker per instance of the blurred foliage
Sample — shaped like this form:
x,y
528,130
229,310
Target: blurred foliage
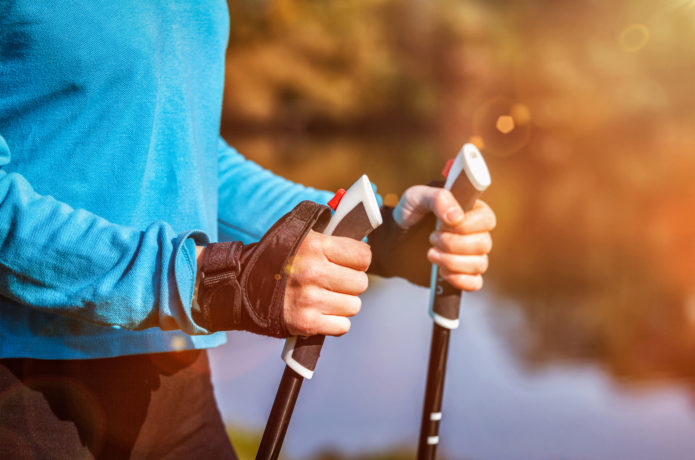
x,y
592,185
245,441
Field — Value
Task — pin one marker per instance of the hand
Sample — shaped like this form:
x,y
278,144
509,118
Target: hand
x,y
461,245
326,276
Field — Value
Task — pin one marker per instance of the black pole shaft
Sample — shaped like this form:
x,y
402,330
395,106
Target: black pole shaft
x,y
432,410
280,415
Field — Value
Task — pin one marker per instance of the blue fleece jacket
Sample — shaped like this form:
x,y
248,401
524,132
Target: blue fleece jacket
x,y
111,166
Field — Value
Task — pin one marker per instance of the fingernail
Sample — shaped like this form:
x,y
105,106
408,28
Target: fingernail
x,y
433,255
454,215
433,238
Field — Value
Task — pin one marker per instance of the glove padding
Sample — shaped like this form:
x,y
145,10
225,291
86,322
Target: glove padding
x,y
243,286
403,252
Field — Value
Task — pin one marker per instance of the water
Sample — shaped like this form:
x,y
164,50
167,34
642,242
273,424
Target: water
x,y
367,393
589,352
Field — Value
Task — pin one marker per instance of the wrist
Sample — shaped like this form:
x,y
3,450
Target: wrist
x,y
199,250
199,254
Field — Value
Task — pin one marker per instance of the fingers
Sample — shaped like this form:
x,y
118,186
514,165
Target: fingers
x,y
334,325
335,304
332,263
468,283
445,207
420,200
456,263
326,276
344,280
318,324
322,312
475,244
479,219
347,252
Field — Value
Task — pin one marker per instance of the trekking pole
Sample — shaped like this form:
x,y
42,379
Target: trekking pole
x,y
356,215
467,177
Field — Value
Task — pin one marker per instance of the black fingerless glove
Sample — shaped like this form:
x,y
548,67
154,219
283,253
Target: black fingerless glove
x,y
399,252
243,286
403,252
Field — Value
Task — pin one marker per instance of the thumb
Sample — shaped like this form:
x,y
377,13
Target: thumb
x,y
419,200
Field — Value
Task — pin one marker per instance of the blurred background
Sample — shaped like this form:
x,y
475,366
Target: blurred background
x,y
582,343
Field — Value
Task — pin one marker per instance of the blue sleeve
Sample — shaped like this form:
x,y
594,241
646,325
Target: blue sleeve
x,y
251,198
74,263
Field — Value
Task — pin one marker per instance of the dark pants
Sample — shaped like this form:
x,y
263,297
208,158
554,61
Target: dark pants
x,y
145,406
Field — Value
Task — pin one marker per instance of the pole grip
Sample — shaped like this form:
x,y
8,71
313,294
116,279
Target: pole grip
x,y
446,298
356,215
467,178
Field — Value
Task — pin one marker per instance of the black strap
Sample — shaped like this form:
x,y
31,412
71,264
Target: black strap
x,y
243,286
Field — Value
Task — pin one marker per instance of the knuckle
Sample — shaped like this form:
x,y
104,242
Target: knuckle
x,y
308,274
442,197
306,322
447,261
311,295
446,242
314,242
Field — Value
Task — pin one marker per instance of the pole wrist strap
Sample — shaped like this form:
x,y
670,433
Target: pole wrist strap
x,y
243,286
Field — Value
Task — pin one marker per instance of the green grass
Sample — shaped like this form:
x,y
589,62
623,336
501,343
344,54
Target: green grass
x,y
246,443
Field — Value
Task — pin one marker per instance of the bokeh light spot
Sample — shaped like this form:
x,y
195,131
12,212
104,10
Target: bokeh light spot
x,y
477,141
291,266
520,113
505,124
178,343
391,199
634,37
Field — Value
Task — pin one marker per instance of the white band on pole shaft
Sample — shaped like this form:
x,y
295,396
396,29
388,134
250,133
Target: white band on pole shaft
x,y
357,208
467,177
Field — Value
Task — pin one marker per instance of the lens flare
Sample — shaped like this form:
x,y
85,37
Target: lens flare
x,y
178,343
520,113
505,124
634,37
495,121
290,268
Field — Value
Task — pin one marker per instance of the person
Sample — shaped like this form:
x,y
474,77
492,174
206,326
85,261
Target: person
x,y
114,181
